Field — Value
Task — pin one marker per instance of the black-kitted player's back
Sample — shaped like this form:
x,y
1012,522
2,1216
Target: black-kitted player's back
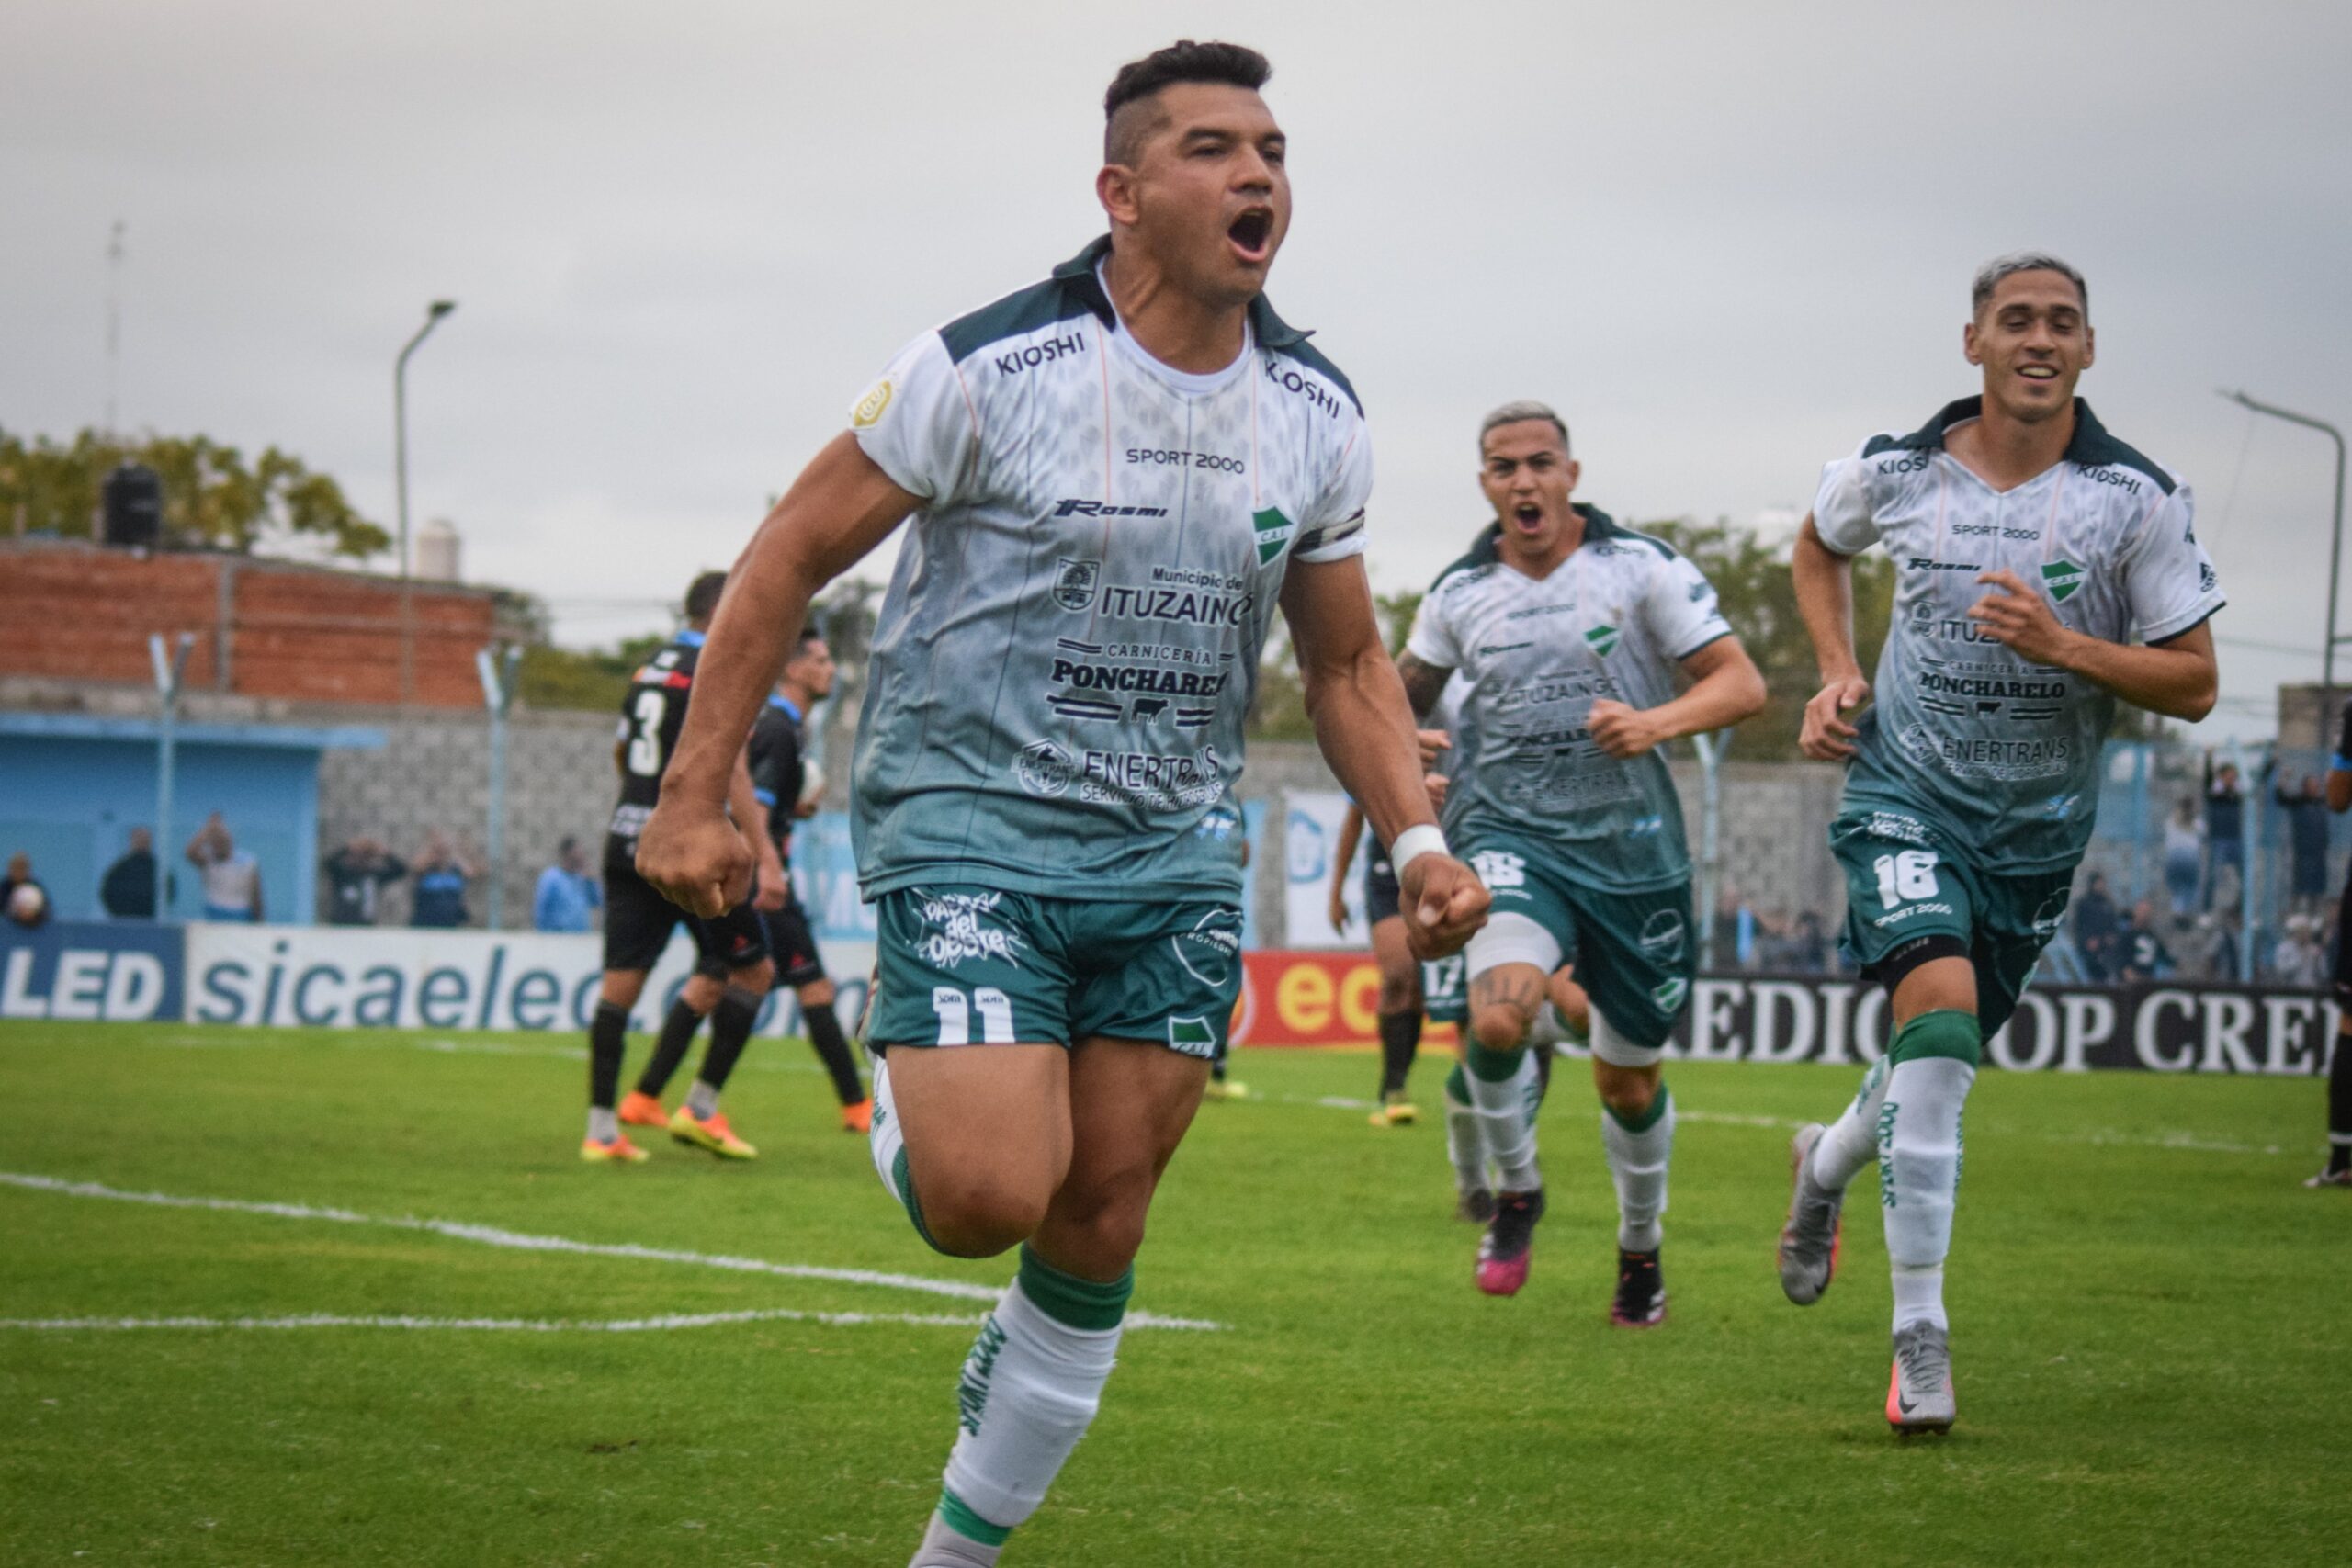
x,y
779,771
653,713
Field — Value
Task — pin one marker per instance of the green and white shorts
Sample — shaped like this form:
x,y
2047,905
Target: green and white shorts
x,y
1914,893
1633,951
959,963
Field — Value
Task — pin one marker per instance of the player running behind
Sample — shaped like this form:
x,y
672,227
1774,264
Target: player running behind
x,y
778,777
639,921
2029,548
1116,476
2337,1172
1571,630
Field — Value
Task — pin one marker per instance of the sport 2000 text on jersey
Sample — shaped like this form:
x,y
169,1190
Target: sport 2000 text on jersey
x,y
2004,753
1070,639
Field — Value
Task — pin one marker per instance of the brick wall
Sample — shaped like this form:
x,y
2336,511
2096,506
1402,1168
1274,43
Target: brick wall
x,y
267,629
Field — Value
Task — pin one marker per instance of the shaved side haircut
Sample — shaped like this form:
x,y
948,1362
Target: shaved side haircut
x,y
1989,276
1131,110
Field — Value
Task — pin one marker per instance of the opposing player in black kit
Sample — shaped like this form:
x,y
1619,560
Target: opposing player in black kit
x,y
779,777
639,921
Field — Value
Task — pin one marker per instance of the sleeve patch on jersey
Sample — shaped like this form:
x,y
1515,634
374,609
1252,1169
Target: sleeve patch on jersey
x,y
870,408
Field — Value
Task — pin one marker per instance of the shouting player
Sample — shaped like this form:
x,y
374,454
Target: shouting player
x,y
639,921
2043,569
1571,630
1116,477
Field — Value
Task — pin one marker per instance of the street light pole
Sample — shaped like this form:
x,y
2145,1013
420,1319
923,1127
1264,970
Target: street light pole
x,y
170,661
2335,549
433,314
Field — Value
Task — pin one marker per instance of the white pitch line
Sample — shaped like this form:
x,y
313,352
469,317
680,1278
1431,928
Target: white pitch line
x,y
488,1324
493,1236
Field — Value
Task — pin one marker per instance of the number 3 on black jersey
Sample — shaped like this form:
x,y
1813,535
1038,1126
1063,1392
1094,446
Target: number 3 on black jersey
x,y
645,739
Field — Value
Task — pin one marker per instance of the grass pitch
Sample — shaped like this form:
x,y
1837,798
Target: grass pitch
x,y
2150,1330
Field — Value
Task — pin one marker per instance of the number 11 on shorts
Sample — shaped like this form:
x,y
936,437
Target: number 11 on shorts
x,y
954,1011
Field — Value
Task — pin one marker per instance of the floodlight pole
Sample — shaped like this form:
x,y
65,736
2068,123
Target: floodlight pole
x,y
169,665
497,667
1711,748
433,314
2335,549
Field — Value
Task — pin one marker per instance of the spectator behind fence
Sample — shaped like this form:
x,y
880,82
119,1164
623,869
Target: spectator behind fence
x,y
32,909
128,890
2095,930
567,896
1809,946
232,878
2224,828
2298,960
438,895
358,875
2184,856
2306,811
2144,956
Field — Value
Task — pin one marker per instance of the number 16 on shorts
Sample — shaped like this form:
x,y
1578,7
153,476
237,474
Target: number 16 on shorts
x,y
1905,877
955,1009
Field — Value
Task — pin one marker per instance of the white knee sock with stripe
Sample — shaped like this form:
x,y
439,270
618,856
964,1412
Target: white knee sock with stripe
x,y
1851,1141
1637,1159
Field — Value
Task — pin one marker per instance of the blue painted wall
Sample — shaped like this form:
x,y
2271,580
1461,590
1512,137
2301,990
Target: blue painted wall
x,y
71,801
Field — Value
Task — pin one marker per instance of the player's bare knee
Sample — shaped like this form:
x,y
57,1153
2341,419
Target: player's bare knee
x,y
817,994
755,979
1628,1091
1498,1026
978,1216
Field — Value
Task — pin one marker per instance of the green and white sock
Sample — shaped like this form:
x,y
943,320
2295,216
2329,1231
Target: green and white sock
x,y
1464,1144
1029,1387
1502,1088
1638,1153
1850,1142
1934,1060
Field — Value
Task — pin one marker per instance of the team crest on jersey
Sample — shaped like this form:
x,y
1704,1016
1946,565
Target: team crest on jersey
x,y
1602,640
869,409
2062,577
1075,582
1274,532
1669,994
1045,770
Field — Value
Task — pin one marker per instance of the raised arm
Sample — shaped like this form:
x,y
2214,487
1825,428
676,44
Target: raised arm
x,y
836,511
1365,727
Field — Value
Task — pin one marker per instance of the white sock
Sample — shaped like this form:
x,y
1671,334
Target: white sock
x,y
1919,1295
1029,1387
1637,1162
1465,1145
943,1546
883,1138
1851,1141
1507,1118
703,1101
1918,1162
604,1126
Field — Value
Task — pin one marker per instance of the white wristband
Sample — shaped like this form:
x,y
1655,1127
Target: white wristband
x,y
1413,843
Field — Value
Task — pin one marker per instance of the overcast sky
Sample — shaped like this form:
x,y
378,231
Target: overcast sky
x,y
1728,241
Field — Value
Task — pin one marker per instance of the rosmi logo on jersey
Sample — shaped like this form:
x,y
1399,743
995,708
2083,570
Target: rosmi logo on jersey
x,y
2062,578
1045,770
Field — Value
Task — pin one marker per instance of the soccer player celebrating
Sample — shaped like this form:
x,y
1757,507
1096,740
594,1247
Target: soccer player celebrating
x,y
1571,630
2032,549
639,921
2337,1172
1116,476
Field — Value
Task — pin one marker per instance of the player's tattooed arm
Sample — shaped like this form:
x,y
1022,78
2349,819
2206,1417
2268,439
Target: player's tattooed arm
x,y
1424,682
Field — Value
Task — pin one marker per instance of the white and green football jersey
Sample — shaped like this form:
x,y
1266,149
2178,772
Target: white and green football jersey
x,y
2004,753
1613,621
1070,640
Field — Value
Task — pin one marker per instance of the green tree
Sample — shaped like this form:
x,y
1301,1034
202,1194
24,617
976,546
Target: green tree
x,y
212,495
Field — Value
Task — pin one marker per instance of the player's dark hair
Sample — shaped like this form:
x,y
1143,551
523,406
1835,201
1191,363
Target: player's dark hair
x,y
1184,60
809,634
1989,276
702,595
